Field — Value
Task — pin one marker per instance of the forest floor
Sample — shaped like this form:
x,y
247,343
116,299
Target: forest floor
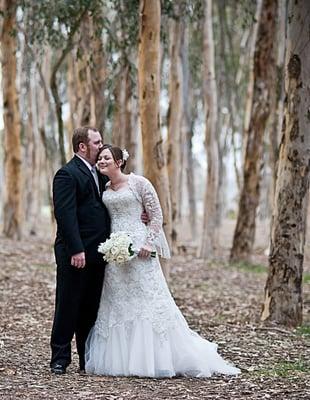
x,y
222,302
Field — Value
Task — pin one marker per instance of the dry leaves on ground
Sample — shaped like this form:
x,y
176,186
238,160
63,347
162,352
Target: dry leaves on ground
x,y
219,301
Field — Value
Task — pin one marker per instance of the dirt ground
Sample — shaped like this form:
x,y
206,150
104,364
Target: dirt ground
x,y
220,301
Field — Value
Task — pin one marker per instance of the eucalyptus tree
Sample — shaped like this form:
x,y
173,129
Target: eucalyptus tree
x,y
175,113
211,141
55,24
262,84
123,44
283,301
154,159
12,214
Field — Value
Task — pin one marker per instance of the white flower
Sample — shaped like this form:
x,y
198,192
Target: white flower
x,y
120,259
117,248
114,250
125,155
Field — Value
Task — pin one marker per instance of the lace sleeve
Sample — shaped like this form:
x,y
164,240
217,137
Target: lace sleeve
x,y
156,236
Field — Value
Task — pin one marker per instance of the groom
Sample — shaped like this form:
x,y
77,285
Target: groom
x,y
82,223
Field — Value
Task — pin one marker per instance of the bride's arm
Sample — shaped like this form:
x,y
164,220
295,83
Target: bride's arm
x,y
155,235
153,209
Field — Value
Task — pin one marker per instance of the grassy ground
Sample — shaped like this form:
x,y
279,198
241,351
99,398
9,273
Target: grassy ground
x,y
222,302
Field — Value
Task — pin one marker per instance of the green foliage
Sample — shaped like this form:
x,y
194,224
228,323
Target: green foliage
x,y
249,267
123,33
285,369
186,9
306,278
231,214
303,330
51,22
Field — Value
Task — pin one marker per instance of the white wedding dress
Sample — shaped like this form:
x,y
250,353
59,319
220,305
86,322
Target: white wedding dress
x,y
139,330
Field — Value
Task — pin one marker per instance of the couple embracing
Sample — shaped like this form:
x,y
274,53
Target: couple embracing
x,y
124,318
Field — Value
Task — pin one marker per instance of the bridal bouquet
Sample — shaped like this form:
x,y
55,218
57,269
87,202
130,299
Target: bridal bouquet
x,y
118,248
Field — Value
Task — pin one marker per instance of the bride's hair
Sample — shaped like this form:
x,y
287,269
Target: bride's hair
x,y
117,154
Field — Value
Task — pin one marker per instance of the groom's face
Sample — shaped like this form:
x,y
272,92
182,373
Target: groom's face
x,y
93,146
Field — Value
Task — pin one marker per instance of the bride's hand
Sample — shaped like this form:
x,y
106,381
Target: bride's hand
x,y
145,251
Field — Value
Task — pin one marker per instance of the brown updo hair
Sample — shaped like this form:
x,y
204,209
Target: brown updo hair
x,y
117,154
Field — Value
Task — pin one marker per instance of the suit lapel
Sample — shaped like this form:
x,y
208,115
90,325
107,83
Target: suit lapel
x,y
83,168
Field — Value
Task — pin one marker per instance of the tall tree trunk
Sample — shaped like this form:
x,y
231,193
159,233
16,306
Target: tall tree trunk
x,y
54,84
86,80
130,121
98,79
210,96
47,129
263,86
31,161
12,211
188,132
176,36
251,85
154,162
83,83
125,116
283,290
72,94
118,131
278,97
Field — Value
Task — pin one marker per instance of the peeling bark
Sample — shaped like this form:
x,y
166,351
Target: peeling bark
x,y
175,114
12,209
208,244
283,290
263,80
154,162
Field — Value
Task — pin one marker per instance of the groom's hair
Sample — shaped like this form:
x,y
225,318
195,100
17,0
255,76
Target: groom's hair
x,y
80,135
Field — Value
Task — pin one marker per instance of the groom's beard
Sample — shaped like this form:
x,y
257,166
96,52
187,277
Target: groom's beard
x,y
92,158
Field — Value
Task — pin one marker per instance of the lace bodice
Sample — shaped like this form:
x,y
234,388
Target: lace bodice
x,y
136,289
125,212
126,206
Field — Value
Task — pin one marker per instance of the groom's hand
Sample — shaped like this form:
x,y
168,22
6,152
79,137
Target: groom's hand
x,y
78,260
145,218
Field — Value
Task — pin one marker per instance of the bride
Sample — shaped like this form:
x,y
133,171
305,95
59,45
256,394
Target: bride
x,y
139,329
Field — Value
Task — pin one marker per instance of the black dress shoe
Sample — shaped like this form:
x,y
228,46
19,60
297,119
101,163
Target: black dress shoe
x,y
58,369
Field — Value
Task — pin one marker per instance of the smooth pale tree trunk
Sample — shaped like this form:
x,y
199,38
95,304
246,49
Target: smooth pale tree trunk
x,y
283,290
118,132
54,83
263,76
72,93
47,130
98,72
125,116
31,163
86,80
130,122
210,95
12,210
245,59
188,133
154,161
278,97
83,82
175,113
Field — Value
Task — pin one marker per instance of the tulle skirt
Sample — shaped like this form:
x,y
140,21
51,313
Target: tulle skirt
x,y
134,348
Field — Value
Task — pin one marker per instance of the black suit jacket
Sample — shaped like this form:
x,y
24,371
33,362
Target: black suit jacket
x,y
82,219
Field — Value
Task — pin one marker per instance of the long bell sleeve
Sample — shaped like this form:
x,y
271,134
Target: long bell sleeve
x,y
155,234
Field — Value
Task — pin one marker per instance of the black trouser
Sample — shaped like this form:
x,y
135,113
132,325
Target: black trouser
x,y
78,294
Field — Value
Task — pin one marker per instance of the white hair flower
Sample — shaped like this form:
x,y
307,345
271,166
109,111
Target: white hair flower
x,y
125,155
